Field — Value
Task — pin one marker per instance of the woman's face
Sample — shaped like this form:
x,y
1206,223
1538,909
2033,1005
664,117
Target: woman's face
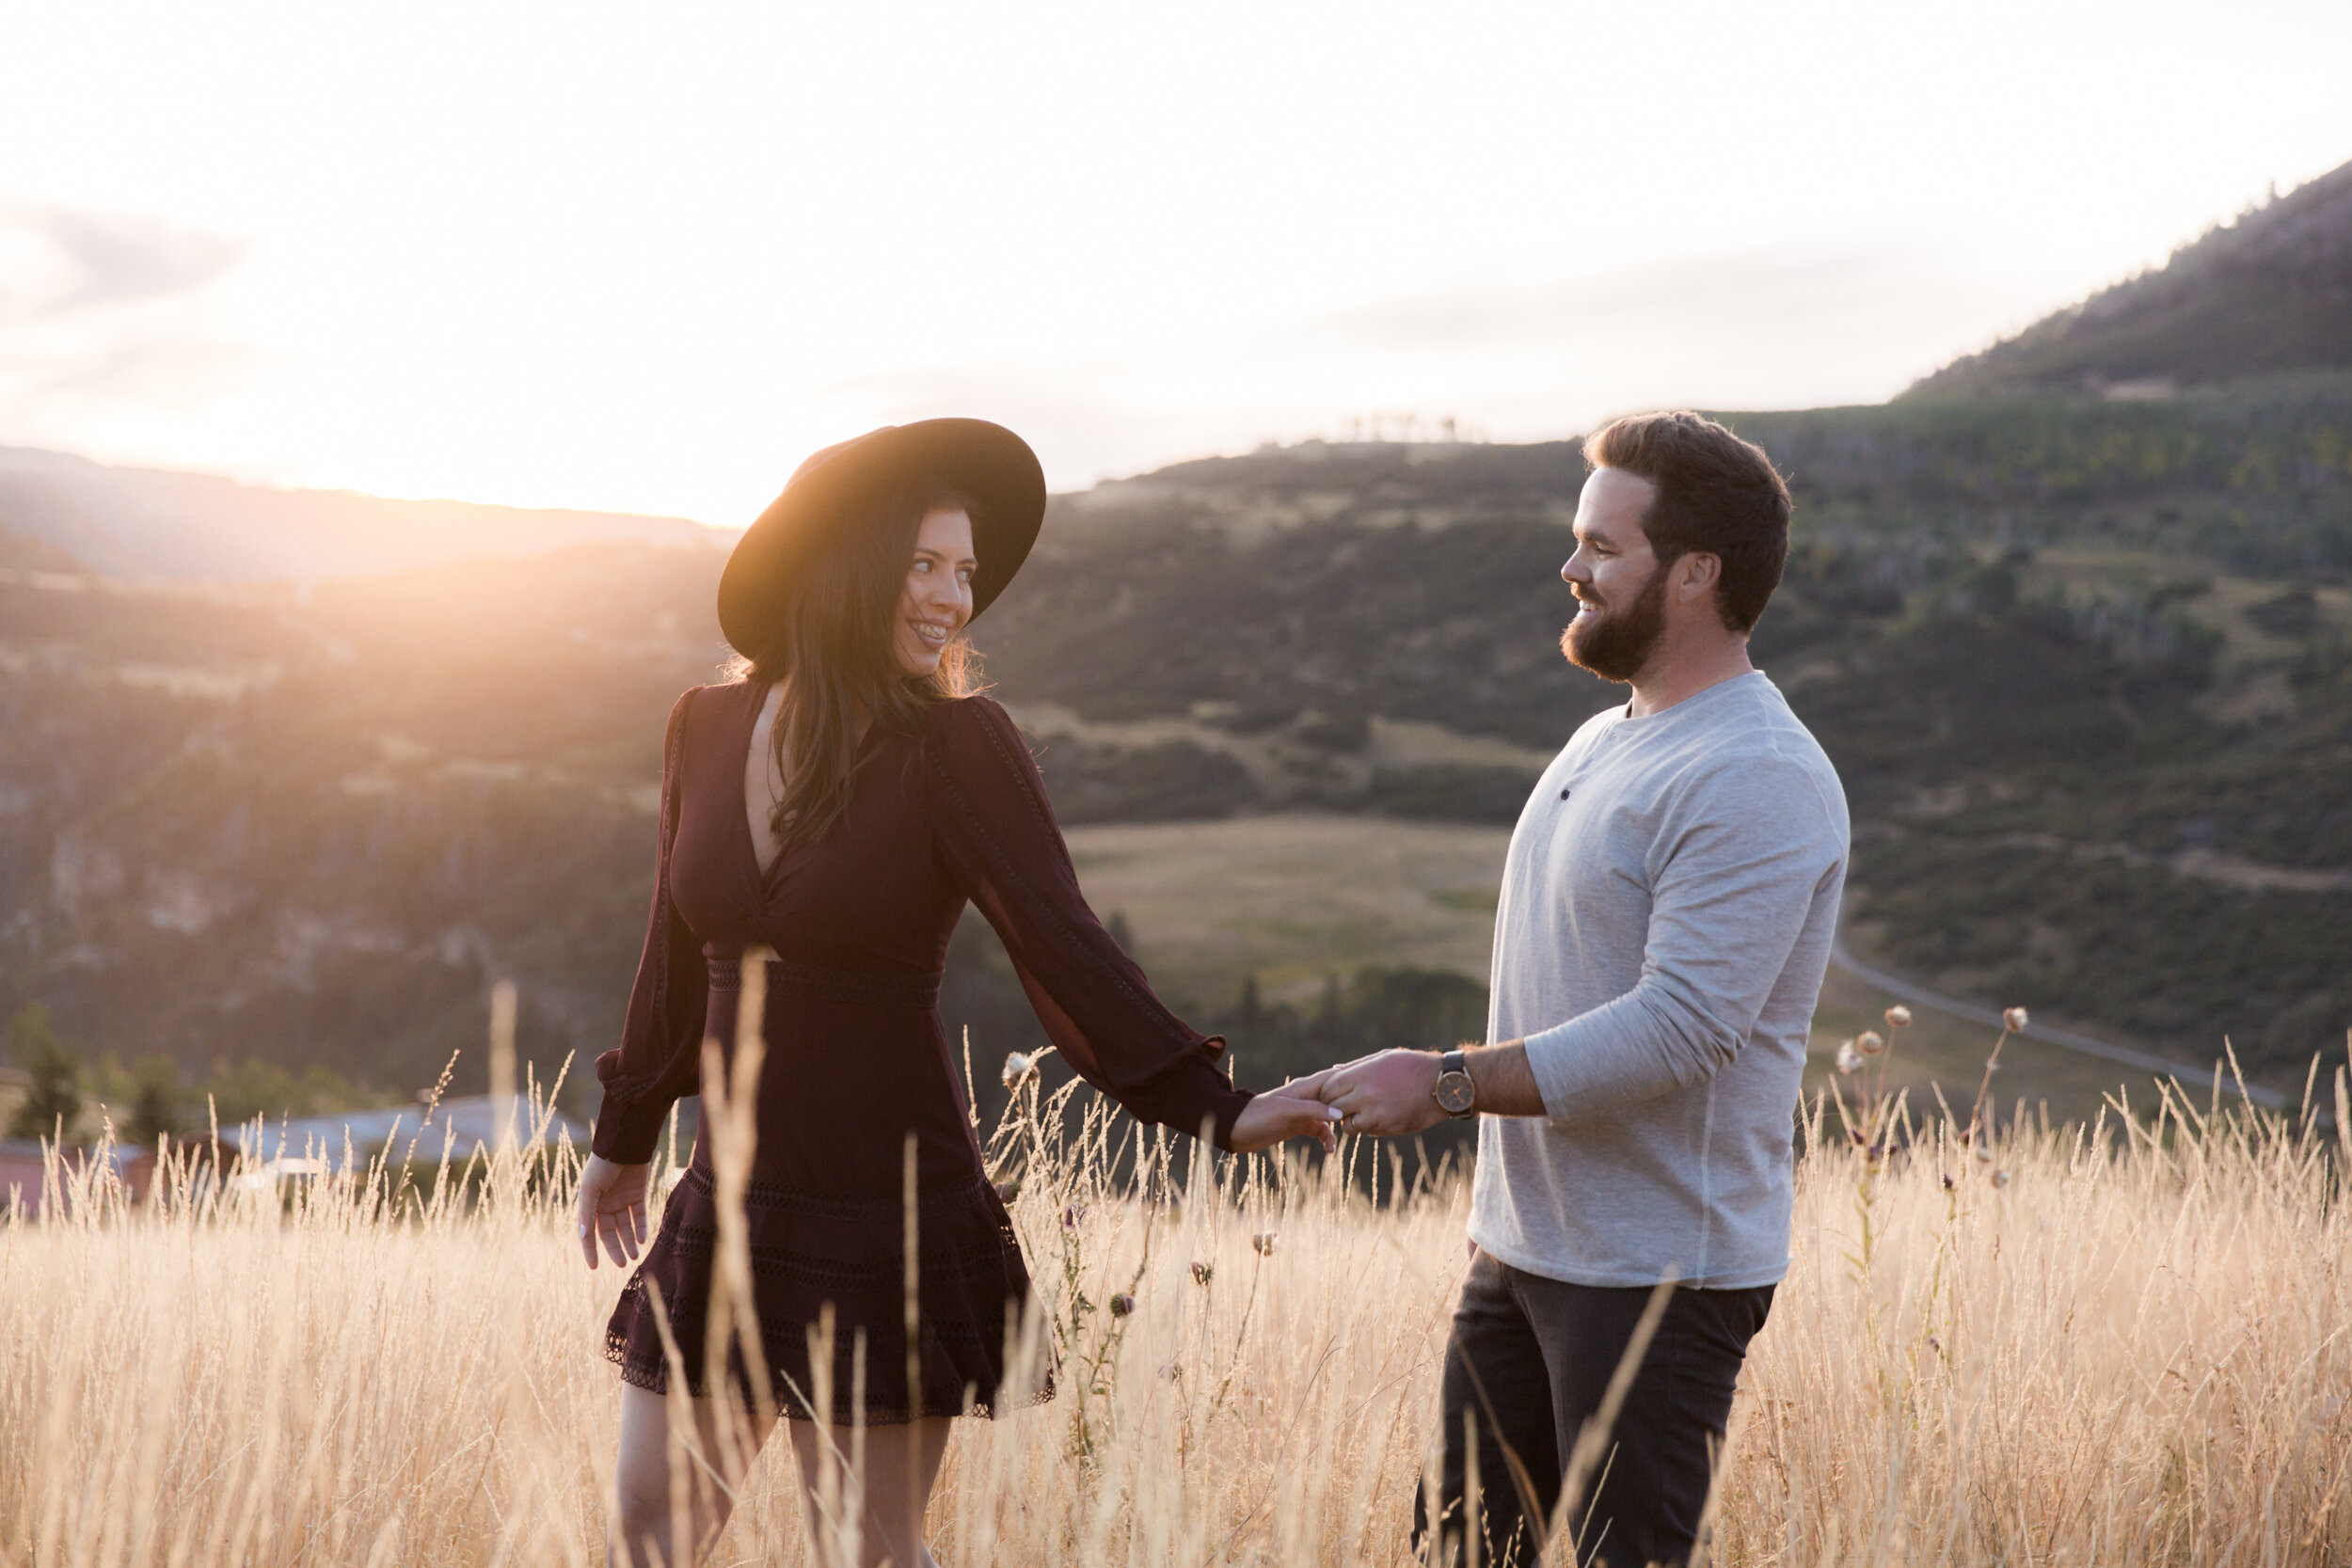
x,y
938,597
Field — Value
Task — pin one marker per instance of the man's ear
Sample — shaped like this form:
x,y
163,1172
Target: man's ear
x,y
1697,574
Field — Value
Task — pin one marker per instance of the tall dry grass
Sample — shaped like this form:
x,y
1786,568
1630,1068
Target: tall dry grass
x,y
2080,1350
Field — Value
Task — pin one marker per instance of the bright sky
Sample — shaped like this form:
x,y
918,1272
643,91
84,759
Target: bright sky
x,y
648,256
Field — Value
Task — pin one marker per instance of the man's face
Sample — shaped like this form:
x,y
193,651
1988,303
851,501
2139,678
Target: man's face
x,y
1620,588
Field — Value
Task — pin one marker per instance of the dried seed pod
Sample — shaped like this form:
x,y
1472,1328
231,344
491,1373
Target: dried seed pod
x,y
1072,1215
2013,1019
1870,1043
1848,1058
2000,1179
1898,1016
1019,1069
1202,1273
1262,1242
1008,1190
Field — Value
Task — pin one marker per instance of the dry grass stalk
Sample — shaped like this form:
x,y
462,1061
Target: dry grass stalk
x,y
2134,1352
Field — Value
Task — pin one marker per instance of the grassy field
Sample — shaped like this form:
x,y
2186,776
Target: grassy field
x,y
1295,898
2053,1351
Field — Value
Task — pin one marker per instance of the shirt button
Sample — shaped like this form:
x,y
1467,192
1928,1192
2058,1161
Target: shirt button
x,y
1564,795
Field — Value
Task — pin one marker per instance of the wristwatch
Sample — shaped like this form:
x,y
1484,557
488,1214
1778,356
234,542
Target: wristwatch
x,y
1456,1095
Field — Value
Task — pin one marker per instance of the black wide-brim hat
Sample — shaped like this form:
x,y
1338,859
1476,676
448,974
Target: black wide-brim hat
x,y
828,494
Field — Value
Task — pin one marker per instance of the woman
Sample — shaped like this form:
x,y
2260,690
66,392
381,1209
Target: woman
x,y
840,805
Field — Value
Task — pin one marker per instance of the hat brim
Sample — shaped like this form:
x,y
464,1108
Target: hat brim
x,y
987,462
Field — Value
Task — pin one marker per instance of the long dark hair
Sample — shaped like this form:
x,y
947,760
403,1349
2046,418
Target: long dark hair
x,y
835,657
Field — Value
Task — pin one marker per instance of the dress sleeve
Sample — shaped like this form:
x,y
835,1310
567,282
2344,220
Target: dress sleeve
x,y
661,1054
997,836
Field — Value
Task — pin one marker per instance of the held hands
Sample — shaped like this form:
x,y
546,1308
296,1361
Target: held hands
x,y
612,1210
1289,1112
1381,1095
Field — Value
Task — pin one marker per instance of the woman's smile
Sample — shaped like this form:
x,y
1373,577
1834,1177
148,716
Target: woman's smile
x,y
938,597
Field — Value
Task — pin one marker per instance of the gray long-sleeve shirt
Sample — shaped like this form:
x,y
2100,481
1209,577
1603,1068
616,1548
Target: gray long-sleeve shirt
x,y
1668,907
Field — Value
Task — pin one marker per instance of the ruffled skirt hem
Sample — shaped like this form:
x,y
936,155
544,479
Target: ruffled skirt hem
x,y
810,1253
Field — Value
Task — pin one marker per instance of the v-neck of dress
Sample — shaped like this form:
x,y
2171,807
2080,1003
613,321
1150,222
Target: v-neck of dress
x,y
764,879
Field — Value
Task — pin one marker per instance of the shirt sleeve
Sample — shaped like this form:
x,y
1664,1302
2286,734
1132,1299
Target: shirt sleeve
x,y
998,839
660,1052
1737,873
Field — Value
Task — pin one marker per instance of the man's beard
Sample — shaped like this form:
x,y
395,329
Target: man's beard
x,y
1618,643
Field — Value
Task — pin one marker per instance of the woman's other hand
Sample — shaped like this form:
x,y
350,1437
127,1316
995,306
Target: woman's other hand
x,y
612,1209
1289,1112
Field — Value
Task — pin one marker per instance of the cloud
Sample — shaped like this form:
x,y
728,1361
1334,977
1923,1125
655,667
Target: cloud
x,y
1733,330
60,259
1520,359
108,321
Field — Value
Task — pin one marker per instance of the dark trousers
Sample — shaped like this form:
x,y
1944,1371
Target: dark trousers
x,y
1528,1363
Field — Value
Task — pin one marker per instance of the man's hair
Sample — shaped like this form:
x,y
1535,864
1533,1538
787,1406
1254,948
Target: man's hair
x,y
1716,494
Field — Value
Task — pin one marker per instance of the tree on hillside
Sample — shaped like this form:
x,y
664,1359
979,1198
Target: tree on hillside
x,y
52,1067
158,1104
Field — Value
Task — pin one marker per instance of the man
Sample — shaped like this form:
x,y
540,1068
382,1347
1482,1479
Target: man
x,y
1667,909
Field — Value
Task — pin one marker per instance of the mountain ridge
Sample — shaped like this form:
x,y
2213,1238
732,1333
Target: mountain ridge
x,y
2267,292
135,522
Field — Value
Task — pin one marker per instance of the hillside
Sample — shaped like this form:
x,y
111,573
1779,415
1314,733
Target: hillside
x,y
2268,292
2082,665
144,523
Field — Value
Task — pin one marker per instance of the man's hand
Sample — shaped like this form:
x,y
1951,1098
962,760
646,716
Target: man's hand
x,y
1383,1095
1290,1112
612,1210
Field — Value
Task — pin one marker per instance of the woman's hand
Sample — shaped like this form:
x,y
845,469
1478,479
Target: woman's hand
x,y
612,1209
1289,1112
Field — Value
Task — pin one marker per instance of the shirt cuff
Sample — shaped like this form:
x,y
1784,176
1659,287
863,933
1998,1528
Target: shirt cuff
x,y
1574,1064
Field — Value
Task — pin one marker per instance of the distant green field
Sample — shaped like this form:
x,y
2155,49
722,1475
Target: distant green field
x,y
1295,899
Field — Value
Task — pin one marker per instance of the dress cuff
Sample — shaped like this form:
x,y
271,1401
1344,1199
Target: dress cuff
x,y
1193,1095
628,1133
628,1124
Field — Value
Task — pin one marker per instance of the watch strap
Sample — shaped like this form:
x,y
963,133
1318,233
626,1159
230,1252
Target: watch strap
x,y
1456,1062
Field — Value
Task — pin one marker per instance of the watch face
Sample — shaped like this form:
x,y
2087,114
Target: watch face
x,y
1455,1092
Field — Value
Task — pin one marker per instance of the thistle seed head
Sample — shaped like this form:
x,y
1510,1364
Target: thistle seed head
x,y
1849,1060
1870,1043
1019,1069
1072,1215
1262,1242
1898,1016
2013,1019
1122,1305
2000,1179
1202,1273
1009,1189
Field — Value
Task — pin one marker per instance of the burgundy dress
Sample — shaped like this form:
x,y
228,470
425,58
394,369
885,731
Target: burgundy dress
x,y
857,1059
